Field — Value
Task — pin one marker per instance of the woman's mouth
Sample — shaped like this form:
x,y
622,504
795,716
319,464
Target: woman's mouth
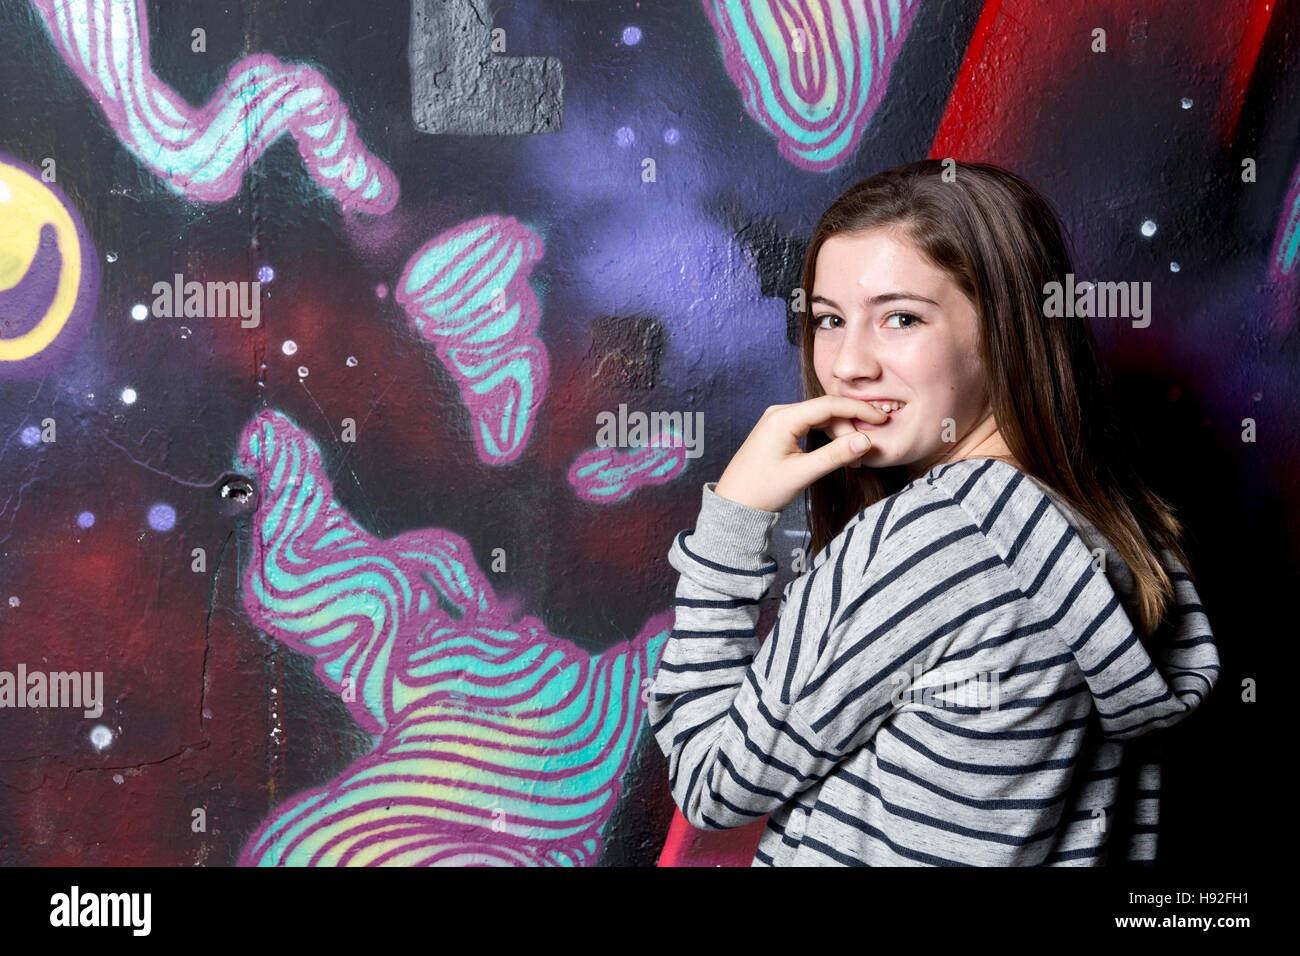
x,y
889,408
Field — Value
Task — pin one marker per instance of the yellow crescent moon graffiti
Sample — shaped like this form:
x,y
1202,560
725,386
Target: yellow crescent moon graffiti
x,y
26,205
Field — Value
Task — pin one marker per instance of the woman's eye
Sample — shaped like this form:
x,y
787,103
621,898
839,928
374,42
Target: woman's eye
x,y
916,320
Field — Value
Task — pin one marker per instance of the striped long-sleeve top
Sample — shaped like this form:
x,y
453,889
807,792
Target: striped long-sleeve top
x,y
955,681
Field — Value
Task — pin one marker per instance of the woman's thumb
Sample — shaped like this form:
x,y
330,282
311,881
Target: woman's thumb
x,y
857,444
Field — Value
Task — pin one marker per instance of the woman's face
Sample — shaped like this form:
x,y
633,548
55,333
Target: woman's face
x,y
892,326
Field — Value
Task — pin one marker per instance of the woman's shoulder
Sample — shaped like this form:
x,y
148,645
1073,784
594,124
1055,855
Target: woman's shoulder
x,y
934,512
1044,541
951,507
985,488
1007,505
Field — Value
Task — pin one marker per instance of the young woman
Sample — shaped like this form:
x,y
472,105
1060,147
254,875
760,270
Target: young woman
x,y
998,612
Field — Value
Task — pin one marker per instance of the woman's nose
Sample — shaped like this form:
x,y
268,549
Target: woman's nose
x,y
855,358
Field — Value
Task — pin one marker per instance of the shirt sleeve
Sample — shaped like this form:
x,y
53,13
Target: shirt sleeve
x,y
746,724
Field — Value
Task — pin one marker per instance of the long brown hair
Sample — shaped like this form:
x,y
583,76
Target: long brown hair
x,y
1002,242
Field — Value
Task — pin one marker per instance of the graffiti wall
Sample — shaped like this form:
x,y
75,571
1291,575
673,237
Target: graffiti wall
x,y
360,361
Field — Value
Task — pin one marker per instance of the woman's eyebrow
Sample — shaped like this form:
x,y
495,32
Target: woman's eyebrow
x,y
879,299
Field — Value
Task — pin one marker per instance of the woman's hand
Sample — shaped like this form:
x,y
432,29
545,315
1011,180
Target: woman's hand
x,y
770,469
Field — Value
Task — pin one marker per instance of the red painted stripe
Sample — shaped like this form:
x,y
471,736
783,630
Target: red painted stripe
x,y
1243,66
951,138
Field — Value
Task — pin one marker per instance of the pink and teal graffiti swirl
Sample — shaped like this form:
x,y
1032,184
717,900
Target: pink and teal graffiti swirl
x,y
607,475
511,740
327,588
203,153
497,742
467,292
1286,244
812,73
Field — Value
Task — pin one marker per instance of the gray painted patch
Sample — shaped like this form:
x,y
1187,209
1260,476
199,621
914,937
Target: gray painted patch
x,y
459,86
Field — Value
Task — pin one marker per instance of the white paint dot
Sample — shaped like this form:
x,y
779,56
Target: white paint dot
x,y
1187,102
13,600
128,396
1148,228
352,361
289,347
139,312
302,371
1174,267
118,778
101,736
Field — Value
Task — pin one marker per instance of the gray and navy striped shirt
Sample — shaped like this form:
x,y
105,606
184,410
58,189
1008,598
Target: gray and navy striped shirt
x,y
955,681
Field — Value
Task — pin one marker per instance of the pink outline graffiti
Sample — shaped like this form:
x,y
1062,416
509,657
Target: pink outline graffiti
x,y
466,291
611,474
819,59
203,153
475,714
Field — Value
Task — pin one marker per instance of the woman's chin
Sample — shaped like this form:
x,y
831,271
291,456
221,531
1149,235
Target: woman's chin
x,y
874,457
881,459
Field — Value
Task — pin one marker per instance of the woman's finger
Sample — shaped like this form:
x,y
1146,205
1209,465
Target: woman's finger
x,y
837,428
836,454
821,412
